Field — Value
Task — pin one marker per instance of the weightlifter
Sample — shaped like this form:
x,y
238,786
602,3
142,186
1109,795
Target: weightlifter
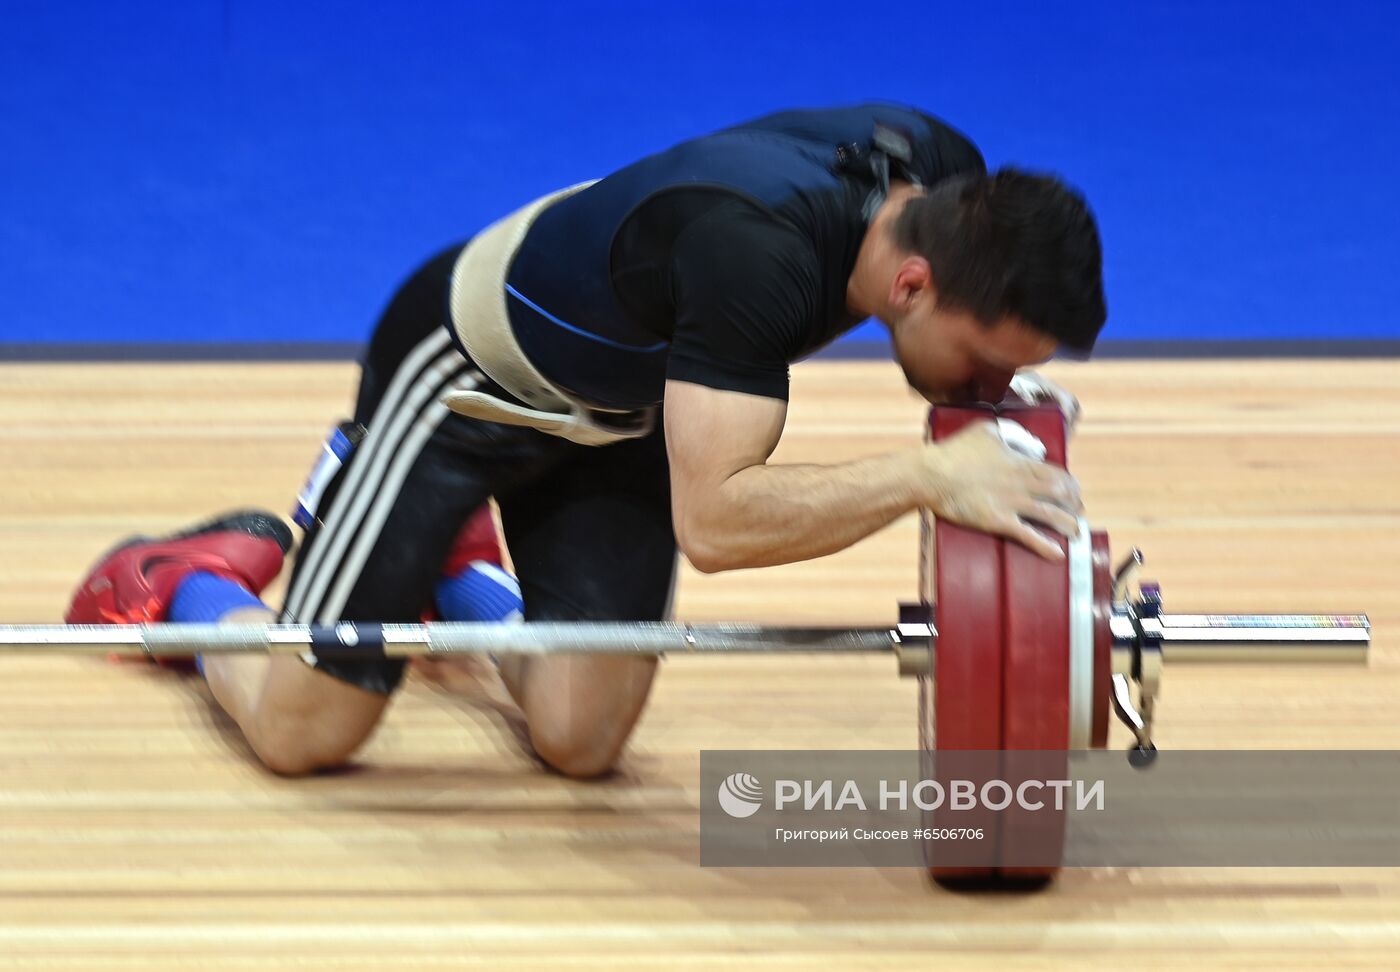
x,y
610,363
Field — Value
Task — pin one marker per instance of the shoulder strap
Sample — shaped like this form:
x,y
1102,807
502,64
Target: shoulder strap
x,y
888,151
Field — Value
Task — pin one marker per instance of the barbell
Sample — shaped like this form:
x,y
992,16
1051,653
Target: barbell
x,y
1013,652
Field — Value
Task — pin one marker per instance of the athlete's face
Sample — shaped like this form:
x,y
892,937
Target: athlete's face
x,y
949,356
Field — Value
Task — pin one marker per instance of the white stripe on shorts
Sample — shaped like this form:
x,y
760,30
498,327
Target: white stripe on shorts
x,y
383,498
408,373
412,387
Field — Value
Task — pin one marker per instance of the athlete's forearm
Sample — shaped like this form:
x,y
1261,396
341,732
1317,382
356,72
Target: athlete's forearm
x,y
777,514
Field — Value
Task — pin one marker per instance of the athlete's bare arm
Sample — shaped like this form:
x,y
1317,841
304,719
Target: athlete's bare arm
x,y
733,510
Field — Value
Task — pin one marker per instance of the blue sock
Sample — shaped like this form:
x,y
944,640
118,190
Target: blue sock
x,y
481,592
204,598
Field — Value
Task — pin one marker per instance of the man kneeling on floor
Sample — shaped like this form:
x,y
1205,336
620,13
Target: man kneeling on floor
x,y
610,363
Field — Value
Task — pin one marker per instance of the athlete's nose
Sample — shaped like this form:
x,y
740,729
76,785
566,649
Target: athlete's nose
x,y
990,388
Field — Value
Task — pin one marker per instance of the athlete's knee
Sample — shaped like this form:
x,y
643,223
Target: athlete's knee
x,y
582,710
287,761
292,744
583,741
286,756
581,752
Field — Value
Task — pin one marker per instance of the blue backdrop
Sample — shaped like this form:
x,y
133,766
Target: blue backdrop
x,y
255,171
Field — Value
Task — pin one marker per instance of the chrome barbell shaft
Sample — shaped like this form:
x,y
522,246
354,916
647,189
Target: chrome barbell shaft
x,y
1245,629
1261,637
402,640
1316,628
1184,637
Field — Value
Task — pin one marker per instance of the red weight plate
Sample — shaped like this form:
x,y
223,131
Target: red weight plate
x,y
1103,637
1035,677
967,689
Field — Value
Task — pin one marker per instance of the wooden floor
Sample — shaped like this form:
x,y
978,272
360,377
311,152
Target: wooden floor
x,y
136,834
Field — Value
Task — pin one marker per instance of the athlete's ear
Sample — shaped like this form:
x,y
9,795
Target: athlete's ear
x,y
912,279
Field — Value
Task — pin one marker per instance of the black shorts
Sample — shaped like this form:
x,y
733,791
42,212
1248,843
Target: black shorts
x,y
588,528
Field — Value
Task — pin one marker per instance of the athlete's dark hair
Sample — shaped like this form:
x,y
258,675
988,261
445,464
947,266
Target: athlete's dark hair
x,y
1012,242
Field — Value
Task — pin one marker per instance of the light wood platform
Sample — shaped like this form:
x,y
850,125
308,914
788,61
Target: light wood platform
x,y
136,834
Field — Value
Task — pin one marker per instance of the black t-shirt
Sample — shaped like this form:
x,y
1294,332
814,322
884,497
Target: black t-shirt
x,y
724,259
737,290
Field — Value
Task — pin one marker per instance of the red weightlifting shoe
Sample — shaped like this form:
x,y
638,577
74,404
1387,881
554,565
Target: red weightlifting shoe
x,y
134,583
477,540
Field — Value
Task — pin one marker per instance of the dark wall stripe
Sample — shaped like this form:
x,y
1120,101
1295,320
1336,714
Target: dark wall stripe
x,y
848,350
1107,350
191,351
